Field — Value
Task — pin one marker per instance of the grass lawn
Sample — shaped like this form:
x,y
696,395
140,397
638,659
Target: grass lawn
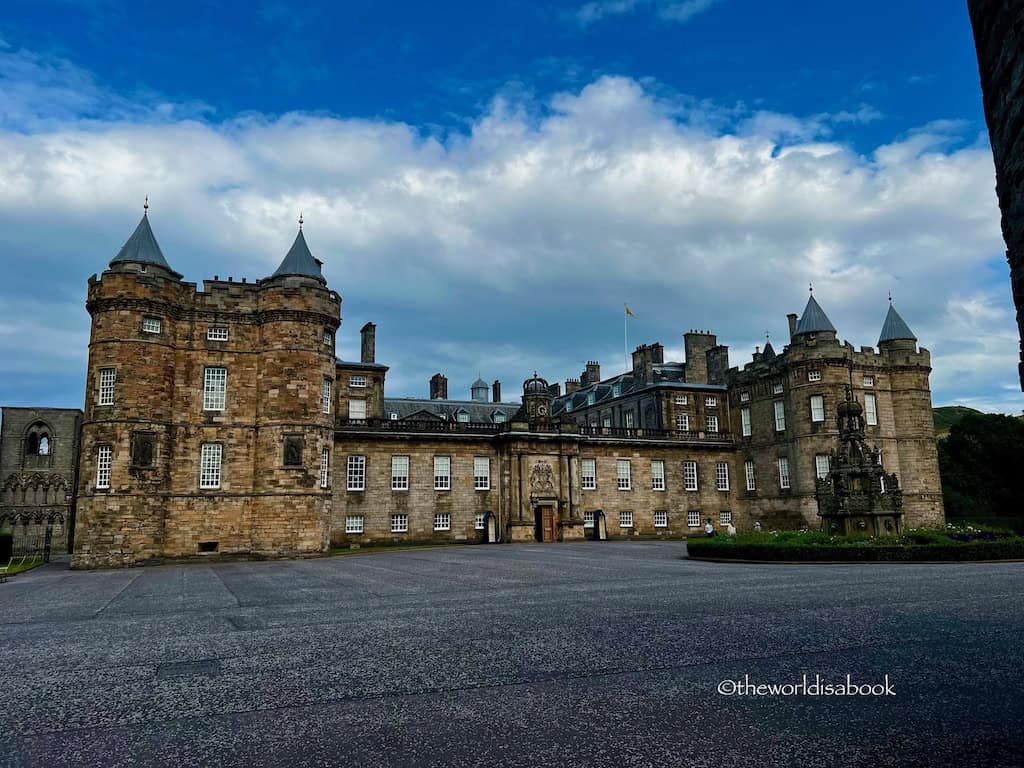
x,y
26,566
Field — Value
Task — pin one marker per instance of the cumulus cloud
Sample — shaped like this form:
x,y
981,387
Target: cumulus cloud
x,y
511,245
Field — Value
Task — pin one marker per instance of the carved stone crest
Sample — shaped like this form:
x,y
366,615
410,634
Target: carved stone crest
x,y
542,478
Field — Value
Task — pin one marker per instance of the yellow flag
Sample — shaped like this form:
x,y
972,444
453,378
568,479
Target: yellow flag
x,y
629,311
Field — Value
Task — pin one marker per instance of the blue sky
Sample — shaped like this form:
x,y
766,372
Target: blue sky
x,y
489,182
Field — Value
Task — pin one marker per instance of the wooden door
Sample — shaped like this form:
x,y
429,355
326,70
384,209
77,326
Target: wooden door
x,y
548,523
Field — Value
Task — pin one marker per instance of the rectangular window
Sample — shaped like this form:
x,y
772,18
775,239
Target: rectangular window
x,y
209,465
622,477
814,375
712,424
661,519
357,381
357,410
693,518
356,473
325,467
722,476
399,473
745,422
683,422
821,465
606,422
151,325
478,521
399,523
682,399
625,519
744,397
104,460
215,388
616,390
710,401
328,338
869,381
589,474
354,524
217,333
462,417
325,396
481,473
817,408
724,517
442,473
780,416
658,475
442,521
588,519
690,475
499,418
777,388
783,472
629,419
591,398
107,378
870,410
748,468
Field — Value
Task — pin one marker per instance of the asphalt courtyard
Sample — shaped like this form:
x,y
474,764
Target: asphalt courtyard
x,y
590,654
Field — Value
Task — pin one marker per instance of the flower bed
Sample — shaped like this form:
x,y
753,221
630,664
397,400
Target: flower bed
x,y
954,543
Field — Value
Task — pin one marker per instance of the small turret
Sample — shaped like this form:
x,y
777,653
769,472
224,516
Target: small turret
x,y
141,251
299,262
814,320
896,334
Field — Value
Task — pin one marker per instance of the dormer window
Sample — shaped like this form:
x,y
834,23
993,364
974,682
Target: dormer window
x,y
499,418
151,325
591,398
462,417
616,390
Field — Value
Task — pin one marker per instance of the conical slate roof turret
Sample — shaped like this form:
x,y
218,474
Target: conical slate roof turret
x,y
142,247
814,319
299,261
894,328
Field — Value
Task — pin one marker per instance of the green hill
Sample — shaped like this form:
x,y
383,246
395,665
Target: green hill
x,y
948,415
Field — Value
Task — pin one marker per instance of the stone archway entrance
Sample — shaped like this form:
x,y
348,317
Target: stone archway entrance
x,y
545,527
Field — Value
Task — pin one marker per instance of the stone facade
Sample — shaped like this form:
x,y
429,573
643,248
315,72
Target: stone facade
x,y
38,458
999,41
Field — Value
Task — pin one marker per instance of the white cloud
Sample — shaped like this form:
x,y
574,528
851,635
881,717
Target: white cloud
x,y
513,245
677,11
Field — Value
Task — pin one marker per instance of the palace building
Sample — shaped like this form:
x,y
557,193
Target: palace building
x,y
219,422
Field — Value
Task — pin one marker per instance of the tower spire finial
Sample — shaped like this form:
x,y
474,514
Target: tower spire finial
x,y
810,287
145,206
890,295
300,219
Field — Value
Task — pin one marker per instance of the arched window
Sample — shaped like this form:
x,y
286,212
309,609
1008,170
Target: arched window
x,y
44,445
32,444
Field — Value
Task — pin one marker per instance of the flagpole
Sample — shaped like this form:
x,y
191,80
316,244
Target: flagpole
x,y
625,335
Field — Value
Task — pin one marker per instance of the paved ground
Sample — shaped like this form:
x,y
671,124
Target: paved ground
x,y
591,654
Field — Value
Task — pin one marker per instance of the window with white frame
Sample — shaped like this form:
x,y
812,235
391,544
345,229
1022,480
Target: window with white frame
x,y
693,518
661,519
481,473
630,419
745,428
209,465
722,476
325,467
394,416
712,424
106,393
357,410
151,325
711,401
591,398
783,472
690,475
724,517
325,396
683,422
462,417
869,381
748,469
568,404
682,399
606,422
104,460
478,521
399,473
814,375
870,410
777,388
442,521
588,472
744,397
215,388
217,333
616,390
356,473
817,408
622,476
780,416
442,473
625,519
328,338
399,523
588,519
657,475
821,465
357,381
499,418
353,524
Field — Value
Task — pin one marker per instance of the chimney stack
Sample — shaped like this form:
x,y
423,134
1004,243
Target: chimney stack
x,y
496,391
592,375
571,385
438,387
792,325
368,335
